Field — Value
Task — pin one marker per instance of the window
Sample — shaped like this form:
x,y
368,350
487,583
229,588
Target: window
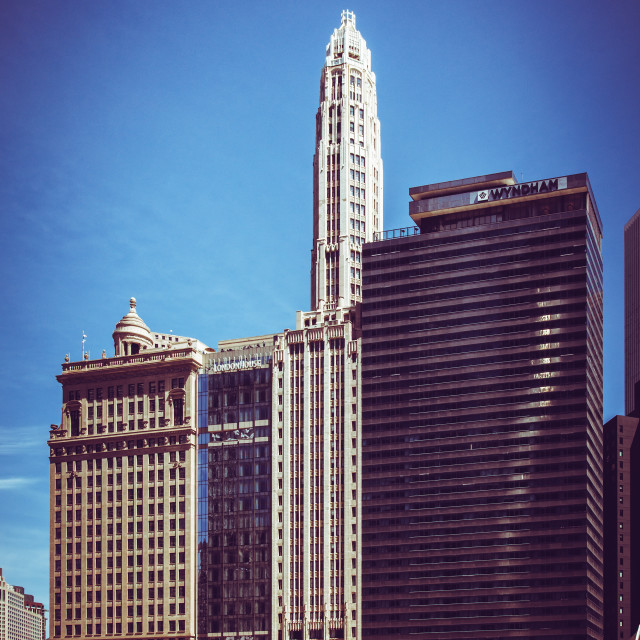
x,y
178,408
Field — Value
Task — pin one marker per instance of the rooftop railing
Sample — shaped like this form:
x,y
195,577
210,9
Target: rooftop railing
x,y
392,234
165,354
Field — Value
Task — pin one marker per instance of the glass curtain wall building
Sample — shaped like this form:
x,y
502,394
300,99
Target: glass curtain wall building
x,y
482,415
234,494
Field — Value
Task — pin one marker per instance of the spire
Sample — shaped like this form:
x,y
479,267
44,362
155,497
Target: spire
x,y
347,17
347,168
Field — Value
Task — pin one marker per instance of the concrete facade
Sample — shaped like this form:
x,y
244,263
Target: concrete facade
x,y
21,618
316,459
123,491
347,169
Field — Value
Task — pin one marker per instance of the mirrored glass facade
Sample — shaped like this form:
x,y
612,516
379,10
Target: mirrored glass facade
x,y
234,499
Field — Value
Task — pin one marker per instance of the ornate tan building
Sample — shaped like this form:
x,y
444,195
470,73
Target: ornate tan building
x,y
347,169
316,449
123,490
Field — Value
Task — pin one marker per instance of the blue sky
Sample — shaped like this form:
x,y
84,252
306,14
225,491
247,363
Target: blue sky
x,y
164,150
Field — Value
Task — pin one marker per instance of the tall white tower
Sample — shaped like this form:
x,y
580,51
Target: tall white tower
x,y
347,169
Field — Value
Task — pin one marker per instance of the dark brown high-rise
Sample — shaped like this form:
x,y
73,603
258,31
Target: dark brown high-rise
x,y
482,415
632,314
621,525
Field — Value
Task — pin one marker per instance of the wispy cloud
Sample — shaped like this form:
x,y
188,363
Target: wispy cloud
x,y
20,439
7,484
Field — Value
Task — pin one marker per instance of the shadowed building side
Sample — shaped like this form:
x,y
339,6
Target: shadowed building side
x,y
482,415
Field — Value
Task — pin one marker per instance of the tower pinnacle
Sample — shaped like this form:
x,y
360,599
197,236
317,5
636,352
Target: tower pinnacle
x,y
348,16
347,169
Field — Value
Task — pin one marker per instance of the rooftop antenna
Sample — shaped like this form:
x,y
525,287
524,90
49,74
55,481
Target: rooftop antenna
x,y
84,337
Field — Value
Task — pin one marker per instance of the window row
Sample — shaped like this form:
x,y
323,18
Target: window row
x,y
132,408
75,630
110,562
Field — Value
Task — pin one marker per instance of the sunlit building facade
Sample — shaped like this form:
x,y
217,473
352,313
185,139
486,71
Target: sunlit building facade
x,y
123,490
21,618
316,371
347,169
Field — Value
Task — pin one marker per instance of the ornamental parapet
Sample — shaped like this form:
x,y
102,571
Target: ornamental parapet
x,y
336,331
159,356
294,337
315,335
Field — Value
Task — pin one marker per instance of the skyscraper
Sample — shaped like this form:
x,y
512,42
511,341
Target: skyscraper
x,y
316,447
316,372
621,482
347,169
482,414
632,314
315,368
123,489
622,465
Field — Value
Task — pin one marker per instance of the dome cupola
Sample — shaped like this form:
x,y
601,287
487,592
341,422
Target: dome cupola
x,y
131,334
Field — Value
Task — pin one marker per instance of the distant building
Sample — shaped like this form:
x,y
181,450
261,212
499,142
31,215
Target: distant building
x,y
621,527
632,314
123,489
622,466
482,415
21,618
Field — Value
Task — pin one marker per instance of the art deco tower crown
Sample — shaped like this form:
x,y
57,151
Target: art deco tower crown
x,y
347,169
